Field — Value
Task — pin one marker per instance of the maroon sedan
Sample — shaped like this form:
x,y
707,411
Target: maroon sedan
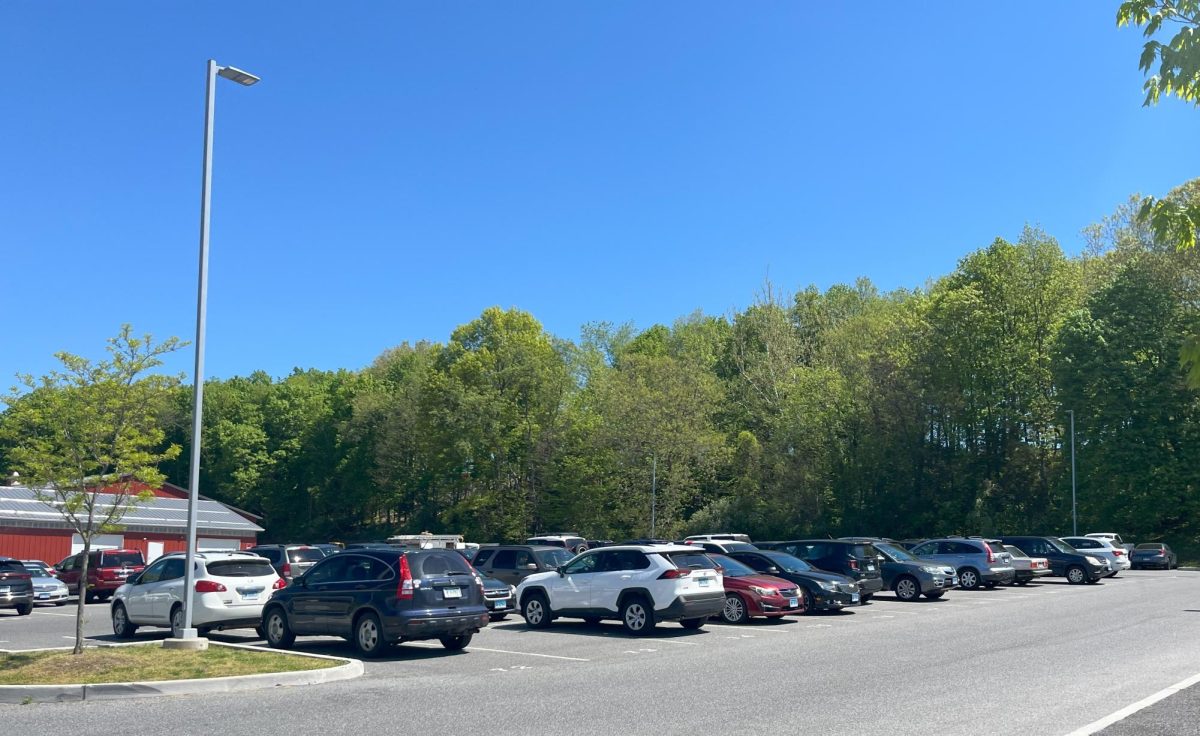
x,y
749,593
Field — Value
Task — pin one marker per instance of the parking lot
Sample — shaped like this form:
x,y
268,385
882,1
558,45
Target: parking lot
x,y
1047,658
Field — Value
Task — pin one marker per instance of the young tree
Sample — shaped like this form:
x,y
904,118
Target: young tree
x,y
87,436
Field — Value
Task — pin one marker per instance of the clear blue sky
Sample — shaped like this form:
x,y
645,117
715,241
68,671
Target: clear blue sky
x,y
404,165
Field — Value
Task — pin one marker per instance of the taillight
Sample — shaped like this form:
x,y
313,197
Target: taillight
x,y
404,591
286,571
990,557
479,584
279,584
1118,552
674,573
853,564
209,586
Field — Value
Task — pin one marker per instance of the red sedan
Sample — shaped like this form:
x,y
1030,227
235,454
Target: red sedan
x,y
748,593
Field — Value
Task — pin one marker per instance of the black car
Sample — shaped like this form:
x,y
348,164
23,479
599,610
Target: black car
x,y
856,560
1065,560
16,586
822,591
378,597
1153,554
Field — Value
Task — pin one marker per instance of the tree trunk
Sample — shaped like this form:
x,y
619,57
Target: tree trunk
x,y
79,605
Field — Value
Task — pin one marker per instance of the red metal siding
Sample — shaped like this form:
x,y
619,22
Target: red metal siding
x,y
48,545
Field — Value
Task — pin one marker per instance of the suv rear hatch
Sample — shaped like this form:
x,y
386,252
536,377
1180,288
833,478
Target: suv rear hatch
x,y
299,559
441,580
866,557
1001,556
119,564
699,573
14,578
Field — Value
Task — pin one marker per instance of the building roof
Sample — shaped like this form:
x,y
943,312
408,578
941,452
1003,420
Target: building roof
x,y
20,507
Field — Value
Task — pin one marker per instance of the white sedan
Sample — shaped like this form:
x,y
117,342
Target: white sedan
x,y
1117,557
230,590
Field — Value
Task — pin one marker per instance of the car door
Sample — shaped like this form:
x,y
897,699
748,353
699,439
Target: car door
x,y
504,566
137,604
928,551
68,572
161,594
315,591
572,589
615,571
341,590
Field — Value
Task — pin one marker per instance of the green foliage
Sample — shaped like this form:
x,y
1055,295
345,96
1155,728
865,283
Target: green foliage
x,y
1178,58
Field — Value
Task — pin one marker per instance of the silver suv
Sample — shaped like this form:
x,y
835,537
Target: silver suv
x,y
978,561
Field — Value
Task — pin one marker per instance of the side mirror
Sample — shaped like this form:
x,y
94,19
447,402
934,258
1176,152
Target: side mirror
x,y
133,579
530,566
772,570
561,572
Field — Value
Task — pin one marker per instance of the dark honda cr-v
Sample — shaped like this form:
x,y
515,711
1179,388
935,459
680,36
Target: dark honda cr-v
x,y
378,597
856,560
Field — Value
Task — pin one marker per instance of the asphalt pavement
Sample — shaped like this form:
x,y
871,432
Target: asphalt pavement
x,y
1048,658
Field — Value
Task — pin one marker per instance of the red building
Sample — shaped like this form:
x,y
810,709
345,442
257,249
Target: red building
x,y
32,529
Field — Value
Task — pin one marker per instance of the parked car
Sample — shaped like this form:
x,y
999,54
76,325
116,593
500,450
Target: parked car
x,y
726,537
910,543
1065,561
16,586
108,569
1118,560
855,560
1154,554
749,593
498,596
229,591
289,560
327,548
512,563
1115,539
721,546
47,588
906,575
379,597
1027,568
568,541
978,562
820,590
639,586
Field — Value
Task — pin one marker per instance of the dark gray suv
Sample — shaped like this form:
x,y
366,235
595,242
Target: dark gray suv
x,y
978,561
16,586
512,563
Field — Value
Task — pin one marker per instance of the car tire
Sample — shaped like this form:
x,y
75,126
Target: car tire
x,y
24,609
1076,575
865,598
808,600
1022,582
277,631
907,588
692,623
61,603
455,643
89,597
637,616
968,578
177,622
122,626
536,610
735,610
260,631
369,638
933,595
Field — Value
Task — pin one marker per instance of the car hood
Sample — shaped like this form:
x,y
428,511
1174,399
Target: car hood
x,y
537,577
820,575
762,581
492,583
44,580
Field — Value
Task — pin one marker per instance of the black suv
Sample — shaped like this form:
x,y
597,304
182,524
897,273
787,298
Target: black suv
x,y
378,597
856,560
1065,560
16,586
822,591
512,563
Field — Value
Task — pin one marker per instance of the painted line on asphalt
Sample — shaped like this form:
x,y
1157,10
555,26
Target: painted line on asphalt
x,y
677,643
48,613
528,654
1129,710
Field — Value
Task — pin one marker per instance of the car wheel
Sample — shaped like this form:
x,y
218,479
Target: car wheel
x,y
968,578
122,626
636,616
1022,582
261,632
536,611
808,600
734,611
907,588
177,622
89,597
1076,575
454,643
933,595
24,609
369,638
865,597
692,623
278,633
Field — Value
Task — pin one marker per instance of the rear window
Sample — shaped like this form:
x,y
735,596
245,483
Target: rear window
x,y
11,566
121,559
305,554
553,557
691,560
1149,546
996,546
240,568
431,564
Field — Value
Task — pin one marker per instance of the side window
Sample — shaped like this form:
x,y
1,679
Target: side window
x,y
584,564
483,556
506,559
331,569
173,569
1087,544
359,569
1035,547
523,559
929,548
153,573
964,548
624,560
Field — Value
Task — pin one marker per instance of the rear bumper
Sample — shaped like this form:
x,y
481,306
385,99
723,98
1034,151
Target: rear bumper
x,y
1027,575
16,598
52,596
999,575
697,605
433,627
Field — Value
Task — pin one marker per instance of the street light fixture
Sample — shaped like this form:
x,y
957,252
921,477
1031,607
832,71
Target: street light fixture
x,y
245,79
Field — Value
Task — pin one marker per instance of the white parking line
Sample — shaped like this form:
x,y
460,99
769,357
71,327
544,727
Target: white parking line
x,y
1129,710
48,613
528,654
677,643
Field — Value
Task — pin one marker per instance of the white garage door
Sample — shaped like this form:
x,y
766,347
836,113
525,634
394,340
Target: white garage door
x,y
100,541
217,543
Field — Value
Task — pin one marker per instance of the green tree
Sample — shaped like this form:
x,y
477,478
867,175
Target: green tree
x,y
93,427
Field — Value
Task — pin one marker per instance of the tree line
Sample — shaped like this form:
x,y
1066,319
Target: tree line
x,y
849,410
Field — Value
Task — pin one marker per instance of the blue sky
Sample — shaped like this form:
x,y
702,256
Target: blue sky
x,y
405,165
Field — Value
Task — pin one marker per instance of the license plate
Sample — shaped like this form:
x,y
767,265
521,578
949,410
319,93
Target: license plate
x,y
452,592
793,602
704,582
870,568
3,588
43,596
250,596
854,597
501,604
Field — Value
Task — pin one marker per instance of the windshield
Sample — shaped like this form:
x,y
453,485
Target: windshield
x,y
553,557
788,563
893,553
733,568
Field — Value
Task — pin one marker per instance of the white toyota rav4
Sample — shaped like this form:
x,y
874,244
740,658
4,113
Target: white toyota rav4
x,y
637,585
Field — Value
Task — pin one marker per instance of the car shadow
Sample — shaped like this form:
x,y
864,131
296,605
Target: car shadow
x,y
921,601
609,629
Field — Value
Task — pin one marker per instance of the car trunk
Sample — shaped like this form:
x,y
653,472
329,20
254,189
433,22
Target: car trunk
x,y
443,581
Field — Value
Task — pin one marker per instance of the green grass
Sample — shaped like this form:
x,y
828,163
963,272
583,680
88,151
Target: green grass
x,y
145,664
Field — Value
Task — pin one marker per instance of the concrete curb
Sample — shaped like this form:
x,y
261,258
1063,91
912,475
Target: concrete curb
x,y
348,670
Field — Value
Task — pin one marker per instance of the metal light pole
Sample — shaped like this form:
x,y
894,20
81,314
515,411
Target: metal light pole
x,y
1074,518
653,492
189,581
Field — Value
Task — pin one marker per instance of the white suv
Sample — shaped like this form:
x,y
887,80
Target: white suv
x,y
1117,557
231,588
637,585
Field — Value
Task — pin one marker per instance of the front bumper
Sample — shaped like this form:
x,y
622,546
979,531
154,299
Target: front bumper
x,y
935,582
780,605
825,600
50,596
697,605
499,606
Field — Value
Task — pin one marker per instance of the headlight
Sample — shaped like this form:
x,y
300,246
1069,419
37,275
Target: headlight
x,y
826,585
512,590
933,570
1094,561
764,591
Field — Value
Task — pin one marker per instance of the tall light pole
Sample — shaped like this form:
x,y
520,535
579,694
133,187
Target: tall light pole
x,y
210,91
1074,518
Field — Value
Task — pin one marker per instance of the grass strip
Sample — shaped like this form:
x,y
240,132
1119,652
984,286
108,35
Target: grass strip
x,y
145,664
